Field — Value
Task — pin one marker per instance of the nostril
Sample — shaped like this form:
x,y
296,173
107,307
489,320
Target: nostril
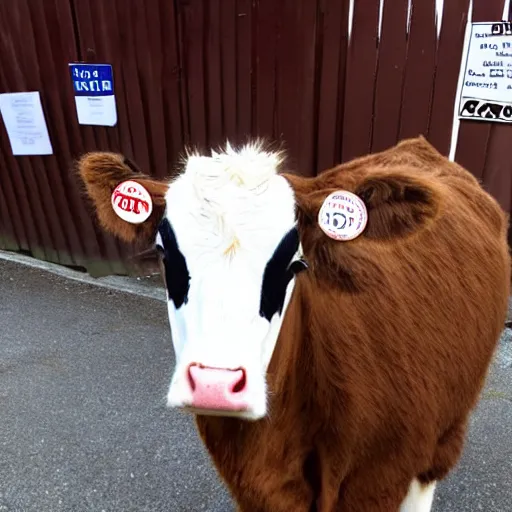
x,y
240,384
191,380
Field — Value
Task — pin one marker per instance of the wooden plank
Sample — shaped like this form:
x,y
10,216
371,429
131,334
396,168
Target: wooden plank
x,y
171,83
244,68
287,76
332,42
32,234
8,238
148,44
307,106
11,207
107,42
265,67
213,73
16,205
419,70
129,75
13,184
497,176
449,55
229,63
193,27
390,75
360,80
474,135
342,79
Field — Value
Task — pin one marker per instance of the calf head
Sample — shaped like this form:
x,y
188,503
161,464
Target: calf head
x,y
225,230
230,231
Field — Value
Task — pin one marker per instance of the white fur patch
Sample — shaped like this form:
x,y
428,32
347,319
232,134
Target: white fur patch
x,y
229,212
419,498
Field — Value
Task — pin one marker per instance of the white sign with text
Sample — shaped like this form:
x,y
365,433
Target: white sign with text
x,y
486,93
25,123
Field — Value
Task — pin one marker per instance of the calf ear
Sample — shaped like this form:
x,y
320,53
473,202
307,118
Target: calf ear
x,y
101,173
398,205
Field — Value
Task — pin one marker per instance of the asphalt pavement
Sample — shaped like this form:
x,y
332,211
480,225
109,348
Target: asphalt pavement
x,y
84,372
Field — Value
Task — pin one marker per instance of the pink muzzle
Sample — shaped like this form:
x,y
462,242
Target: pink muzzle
x,y
217,389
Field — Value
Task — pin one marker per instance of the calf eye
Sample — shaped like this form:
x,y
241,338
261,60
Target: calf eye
x,y
298,266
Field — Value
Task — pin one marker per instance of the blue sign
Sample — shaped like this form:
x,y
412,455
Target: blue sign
x,y
92,79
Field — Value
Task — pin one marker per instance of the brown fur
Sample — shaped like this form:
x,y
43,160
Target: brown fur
x,y
385,346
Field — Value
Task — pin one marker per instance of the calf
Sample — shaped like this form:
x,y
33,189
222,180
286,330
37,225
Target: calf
x,y
332,334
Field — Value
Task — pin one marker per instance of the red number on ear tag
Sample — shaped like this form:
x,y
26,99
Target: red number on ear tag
x,y
132,202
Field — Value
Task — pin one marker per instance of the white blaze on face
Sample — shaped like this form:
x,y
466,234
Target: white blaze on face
x,y
228,240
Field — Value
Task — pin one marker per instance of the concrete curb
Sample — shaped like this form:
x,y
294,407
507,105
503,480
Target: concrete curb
x,y
131,285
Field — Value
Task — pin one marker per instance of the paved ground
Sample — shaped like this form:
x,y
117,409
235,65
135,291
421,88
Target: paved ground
x,y
83,427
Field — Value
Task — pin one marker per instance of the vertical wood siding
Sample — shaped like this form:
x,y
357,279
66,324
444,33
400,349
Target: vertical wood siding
x,y
329,80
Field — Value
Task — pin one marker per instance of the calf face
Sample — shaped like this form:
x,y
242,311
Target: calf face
x,y
229,249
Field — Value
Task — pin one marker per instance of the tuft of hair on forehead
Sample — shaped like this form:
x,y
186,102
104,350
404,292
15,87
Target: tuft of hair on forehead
x,y
248,166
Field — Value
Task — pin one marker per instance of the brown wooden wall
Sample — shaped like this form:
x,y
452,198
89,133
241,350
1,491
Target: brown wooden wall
x,y
200,71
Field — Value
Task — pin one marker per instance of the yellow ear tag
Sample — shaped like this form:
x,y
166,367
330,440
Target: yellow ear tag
x,y
132,202
343,216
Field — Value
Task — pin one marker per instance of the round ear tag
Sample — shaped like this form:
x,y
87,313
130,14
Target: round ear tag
x,y
343,216
132,202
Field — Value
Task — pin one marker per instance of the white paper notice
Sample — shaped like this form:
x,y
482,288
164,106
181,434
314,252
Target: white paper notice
x,y
487,87
96,110
25,123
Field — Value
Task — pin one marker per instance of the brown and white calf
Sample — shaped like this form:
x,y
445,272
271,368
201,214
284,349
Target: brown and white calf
x,y
325,375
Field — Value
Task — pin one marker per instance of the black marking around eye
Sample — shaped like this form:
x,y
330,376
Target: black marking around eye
x,y
176,272
278,273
